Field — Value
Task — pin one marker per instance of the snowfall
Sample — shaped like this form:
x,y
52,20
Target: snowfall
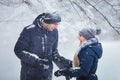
x,y
13,24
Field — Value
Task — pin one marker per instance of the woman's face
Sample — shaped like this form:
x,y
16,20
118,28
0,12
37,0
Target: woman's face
x,y
81,39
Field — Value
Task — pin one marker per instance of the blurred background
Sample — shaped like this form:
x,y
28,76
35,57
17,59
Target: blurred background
x,y
76,14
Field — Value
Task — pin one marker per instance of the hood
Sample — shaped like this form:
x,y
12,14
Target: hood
x,y
94,44
38,20
97,48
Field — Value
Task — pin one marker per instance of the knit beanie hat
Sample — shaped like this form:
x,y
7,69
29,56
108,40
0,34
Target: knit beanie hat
x,y
87,33
51,18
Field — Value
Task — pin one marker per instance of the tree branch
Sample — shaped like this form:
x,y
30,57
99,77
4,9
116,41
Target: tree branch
x,y
111,6
74,8
27,2
82,9
104,17
3,4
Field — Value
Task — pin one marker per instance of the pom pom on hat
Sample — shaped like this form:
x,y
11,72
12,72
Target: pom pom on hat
x,y
98,31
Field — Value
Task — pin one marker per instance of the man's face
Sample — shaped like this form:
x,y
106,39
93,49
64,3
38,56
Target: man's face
x,y
53,26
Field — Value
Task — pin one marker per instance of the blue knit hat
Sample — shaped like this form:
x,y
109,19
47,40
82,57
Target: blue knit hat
x,y
87,33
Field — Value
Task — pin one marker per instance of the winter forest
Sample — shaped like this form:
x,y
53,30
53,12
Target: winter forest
x,y
76,14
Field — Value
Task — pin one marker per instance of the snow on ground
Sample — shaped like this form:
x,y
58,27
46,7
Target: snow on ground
x,y
109,64
108,68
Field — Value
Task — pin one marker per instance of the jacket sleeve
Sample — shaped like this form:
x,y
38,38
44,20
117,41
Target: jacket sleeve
x,y
85,64
55,53
60,61
22,46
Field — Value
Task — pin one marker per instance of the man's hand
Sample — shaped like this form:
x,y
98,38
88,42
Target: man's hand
x,y
67,62
64,72
58,73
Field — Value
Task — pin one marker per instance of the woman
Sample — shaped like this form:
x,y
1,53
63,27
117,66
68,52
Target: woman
x,y
86,59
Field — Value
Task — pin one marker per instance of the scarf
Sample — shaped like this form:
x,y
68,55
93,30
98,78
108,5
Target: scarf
x,y
76,60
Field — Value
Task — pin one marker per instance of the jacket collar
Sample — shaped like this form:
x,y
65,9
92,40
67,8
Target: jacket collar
x,y
89,42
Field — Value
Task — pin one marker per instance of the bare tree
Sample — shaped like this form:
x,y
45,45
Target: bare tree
x,y
82,9
10,3
110,24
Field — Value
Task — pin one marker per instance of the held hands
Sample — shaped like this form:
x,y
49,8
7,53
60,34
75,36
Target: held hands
x,y
67,62
59,72
64,72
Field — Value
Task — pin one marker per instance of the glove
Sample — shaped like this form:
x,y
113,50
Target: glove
x,y
67,63
62,62
64,72
43,63
58,73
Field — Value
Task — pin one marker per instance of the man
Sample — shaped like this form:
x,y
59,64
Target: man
x,y
37,48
